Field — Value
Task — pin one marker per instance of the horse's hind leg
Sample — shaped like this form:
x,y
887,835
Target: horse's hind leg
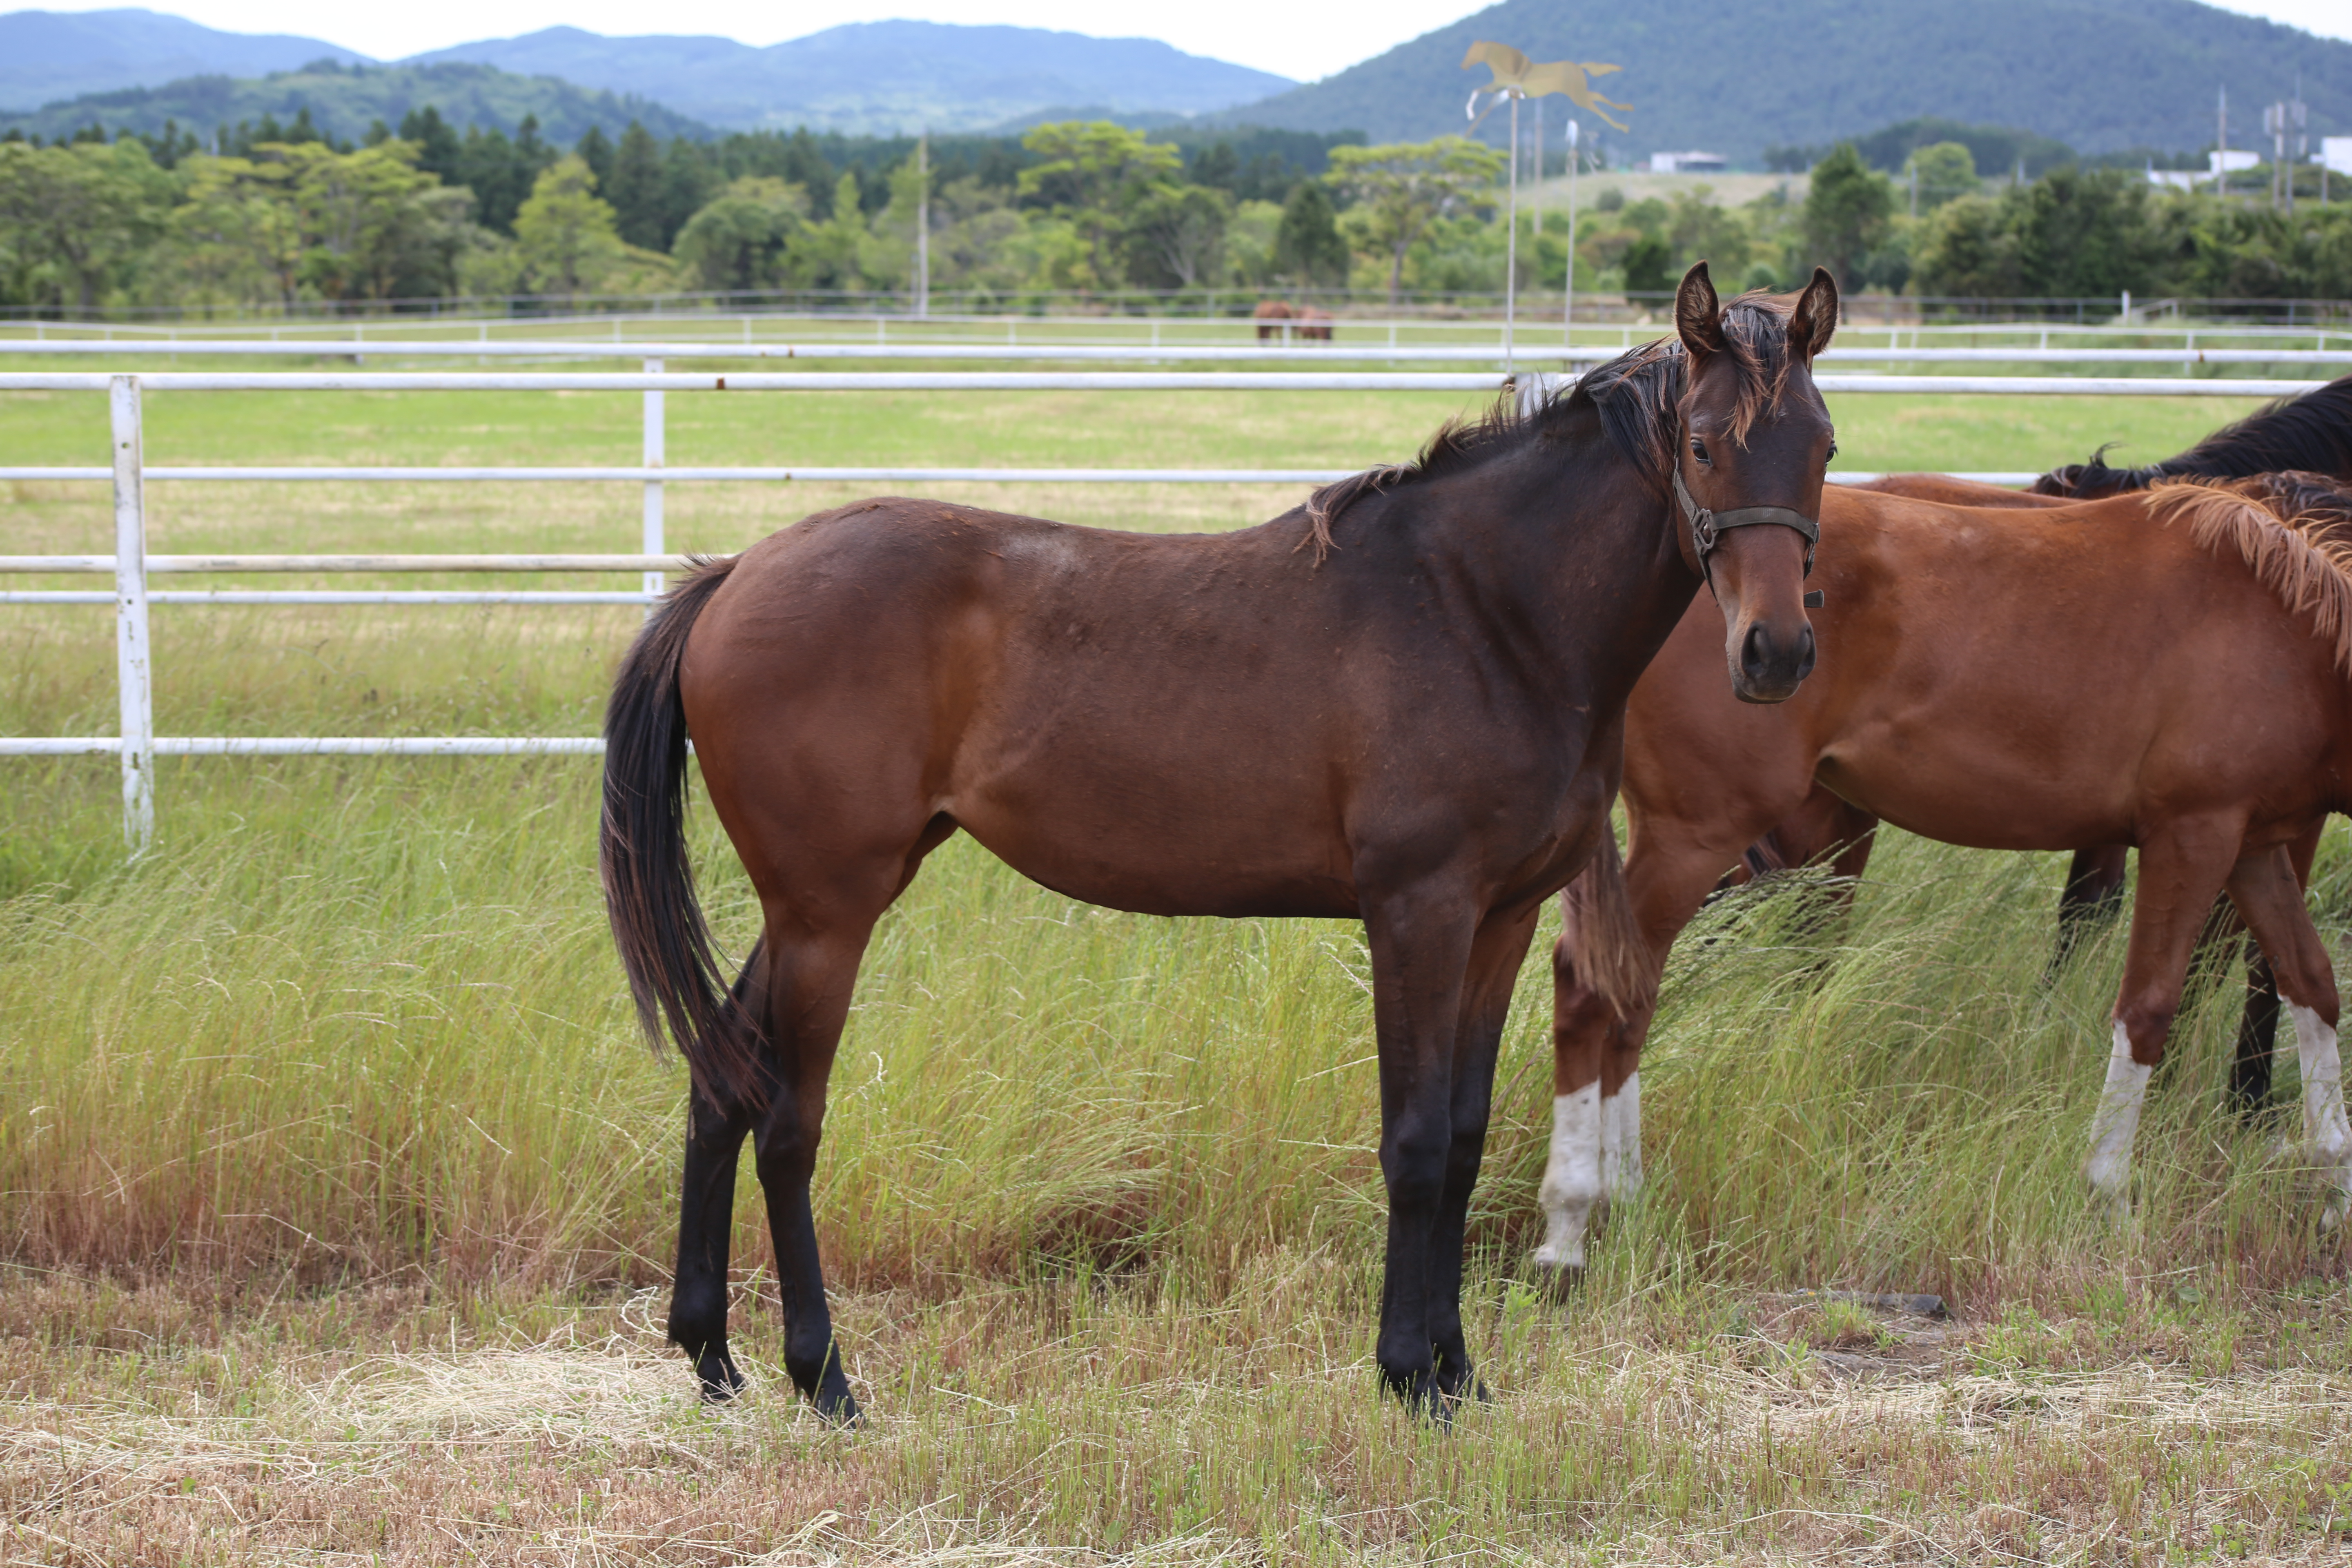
x,y
811,976
714,1138
2264,888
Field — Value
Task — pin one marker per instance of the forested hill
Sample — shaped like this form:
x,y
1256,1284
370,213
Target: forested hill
x,y
343,101
2102,75
883,78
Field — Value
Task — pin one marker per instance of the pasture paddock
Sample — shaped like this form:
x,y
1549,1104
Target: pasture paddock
x,y
339,1188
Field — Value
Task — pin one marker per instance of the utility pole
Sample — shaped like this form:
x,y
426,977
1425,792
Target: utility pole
x,y
2221,145
923,224
1567,312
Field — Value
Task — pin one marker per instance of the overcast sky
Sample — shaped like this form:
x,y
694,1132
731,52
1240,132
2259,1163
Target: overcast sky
x,y
1300,41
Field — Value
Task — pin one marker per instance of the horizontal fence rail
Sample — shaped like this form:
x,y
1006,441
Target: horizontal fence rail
x,y
1073,381
1203,353
138,746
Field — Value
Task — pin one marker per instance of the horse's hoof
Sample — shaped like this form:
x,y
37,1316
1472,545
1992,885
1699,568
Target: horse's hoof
x,y
1559,1280
1419,1392
717,1375
834,1404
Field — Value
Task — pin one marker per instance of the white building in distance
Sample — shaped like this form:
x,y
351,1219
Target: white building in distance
x,y
1687,164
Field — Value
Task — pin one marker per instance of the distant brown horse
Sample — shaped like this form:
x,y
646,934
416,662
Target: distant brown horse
x,y
2167,670
1313,324
1402,702
2311,431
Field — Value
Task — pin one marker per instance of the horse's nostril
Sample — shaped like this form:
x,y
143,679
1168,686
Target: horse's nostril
x,y
1756,653
1805,653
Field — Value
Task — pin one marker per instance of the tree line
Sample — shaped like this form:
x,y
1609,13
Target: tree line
x,y
272,214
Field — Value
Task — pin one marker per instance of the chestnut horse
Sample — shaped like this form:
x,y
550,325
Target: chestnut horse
x,y
1973,692
2311,431
1402,704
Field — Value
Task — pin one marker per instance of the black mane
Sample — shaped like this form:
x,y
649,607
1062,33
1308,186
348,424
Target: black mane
x,y
2312,431
1635,397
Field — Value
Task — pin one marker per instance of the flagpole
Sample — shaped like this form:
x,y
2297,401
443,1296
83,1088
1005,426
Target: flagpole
x,y
1511,243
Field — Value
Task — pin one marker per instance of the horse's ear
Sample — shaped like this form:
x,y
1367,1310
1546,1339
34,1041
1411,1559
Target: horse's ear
x,y
1814,320
1698,315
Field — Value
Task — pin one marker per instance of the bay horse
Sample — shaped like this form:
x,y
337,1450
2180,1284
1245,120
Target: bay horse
x,y
2311,431
2007,679
1314,324
1402,702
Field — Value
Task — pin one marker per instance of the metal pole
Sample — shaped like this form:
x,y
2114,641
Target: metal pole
x,y
1568,310
923,224
654,458
1511,242
133,670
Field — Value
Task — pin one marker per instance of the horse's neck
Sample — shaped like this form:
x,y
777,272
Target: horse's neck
x,y
1568,546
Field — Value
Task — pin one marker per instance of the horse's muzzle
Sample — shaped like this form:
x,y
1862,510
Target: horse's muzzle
x,y
1771,668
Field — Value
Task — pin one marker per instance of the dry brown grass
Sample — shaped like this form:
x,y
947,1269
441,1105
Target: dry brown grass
x,y
1076,1421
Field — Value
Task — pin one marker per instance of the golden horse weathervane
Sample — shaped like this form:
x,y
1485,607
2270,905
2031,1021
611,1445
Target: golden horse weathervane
x,y
1515,74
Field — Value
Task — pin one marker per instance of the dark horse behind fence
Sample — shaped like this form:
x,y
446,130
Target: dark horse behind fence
x,y
1402,702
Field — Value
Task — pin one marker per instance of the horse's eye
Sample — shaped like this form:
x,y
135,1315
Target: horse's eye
x,y
1698,450
1832,457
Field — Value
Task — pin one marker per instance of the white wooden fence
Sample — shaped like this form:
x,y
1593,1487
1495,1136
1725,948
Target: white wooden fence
x,y
130,567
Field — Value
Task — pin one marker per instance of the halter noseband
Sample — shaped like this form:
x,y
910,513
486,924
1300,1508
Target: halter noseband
x,y
1707,528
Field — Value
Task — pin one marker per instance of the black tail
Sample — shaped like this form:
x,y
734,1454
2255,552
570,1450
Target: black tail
x,y
674,976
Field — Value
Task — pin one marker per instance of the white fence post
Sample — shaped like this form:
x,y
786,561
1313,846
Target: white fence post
x,y
656,445
132,666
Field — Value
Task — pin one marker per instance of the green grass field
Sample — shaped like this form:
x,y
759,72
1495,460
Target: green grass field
x,y
338,1184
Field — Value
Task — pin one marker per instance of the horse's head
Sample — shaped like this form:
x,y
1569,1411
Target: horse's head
x,y
1749,469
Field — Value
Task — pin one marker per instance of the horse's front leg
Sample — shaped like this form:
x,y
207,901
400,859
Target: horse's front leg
x,y
1495,959
1421,942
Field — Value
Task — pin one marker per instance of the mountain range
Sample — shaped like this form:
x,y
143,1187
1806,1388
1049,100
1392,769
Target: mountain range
x,y
342,101
874,77
2101,75
882,76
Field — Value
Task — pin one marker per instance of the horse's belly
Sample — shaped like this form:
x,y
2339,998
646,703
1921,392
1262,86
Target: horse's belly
x,y
1139,849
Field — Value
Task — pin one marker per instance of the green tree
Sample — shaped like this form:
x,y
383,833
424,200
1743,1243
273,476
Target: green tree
x,y
437,145
77,217
1649,265
1401,188
1946,172
2084,232
1846,213
1095,173
595,150
636,186
826,255
1175,236
687,181
743,237
1965,250
1308,248
566,237
498,173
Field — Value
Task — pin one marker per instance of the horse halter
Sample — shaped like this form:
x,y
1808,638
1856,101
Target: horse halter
x,y
1707,528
